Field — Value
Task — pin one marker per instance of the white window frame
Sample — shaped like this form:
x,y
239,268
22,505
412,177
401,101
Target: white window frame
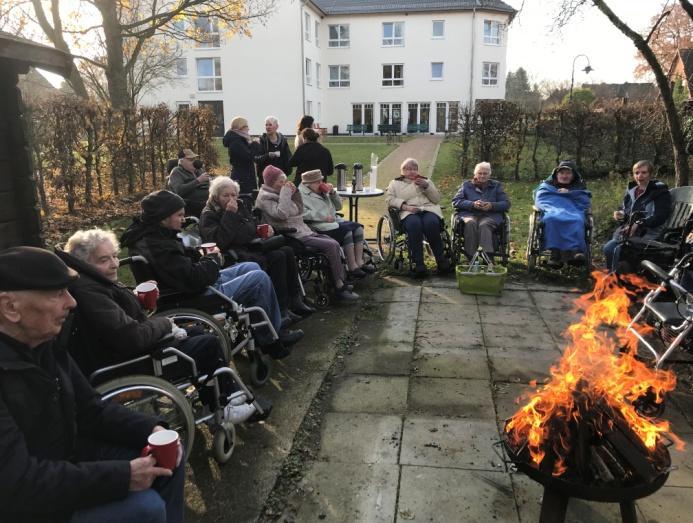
x,y
309,72
339,81
340,41
309,107
434,36
318,113
217,85
213,36
318,72
317,34
183,105
491,38
184,61
394,40
307,26
488,79
442,71
392,80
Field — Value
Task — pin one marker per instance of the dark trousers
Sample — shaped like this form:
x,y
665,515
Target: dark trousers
x,y
419,225
280,265
206,351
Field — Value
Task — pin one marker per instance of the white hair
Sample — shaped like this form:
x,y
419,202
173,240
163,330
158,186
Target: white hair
x,y
482,165
82,244
407,162
272,119
217,185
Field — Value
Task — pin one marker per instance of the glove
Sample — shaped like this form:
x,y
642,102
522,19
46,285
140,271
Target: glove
x,y
177,332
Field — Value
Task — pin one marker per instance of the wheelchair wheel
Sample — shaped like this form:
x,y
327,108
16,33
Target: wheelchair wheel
x,y
195,319
305,267
386,236
260,368
322,300
531,253
224,443
154,397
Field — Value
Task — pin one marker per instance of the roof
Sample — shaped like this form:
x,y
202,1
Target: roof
x,y
635,92
686,56
338,7
30,53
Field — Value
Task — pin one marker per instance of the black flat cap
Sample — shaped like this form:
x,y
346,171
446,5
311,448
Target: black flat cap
x,y
159,205
31,268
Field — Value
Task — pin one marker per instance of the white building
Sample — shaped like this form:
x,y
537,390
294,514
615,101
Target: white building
x,y
406,63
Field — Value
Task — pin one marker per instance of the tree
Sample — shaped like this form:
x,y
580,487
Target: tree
x,y
675,31
582,95
518,90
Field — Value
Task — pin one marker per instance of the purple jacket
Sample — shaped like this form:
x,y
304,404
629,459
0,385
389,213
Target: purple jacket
x,y
463,202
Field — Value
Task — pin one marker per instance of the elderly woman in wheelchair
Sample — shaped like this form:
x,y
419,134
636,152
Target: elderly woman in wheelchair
x,y
416,198
480,204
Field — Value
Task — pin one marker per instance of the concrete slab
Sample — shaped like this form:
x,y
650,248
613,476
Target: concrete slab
x,y
380,332
441,281
391,359
450,443
460,398
678,420
448,313
348,492
390,312
395,294
360,438
432,336
504,316
682,476
375,394
506,398
446,295
558,320
553,300
537,337
509,298
667,505
520,365
471,364
684,401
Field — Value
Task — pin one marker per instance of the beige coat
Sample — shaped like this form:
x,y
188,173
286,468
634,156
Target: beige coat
x,y
402,190
283,210
317,207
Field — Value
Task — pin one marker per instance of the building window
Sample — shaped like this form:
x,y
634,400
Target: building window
x,y
339,35
319,111
306,26
391,114
393,75
209,74
393,34
436,70
493,32
181,67
309,65
183,106
339,76
489,73
317,34
438,29
207,31
309,107
318,71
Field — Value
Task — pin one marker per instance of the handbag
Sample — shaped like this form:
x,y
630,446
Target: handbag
x,y
267,244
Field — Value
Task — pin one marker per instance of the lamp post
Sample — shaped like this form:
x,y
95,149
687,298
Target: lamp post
x,y
588,68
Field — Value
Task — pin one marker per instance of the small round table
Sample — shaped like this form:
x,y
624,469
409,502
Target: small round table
x,y
354,199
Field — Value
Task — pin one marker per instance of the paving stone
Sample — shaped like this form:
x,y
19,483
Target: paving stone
x,y
390,359
472,364
360,438
348,492
506,398
376,394
395,294
504,316
429,494
558,321
441,281
684,402
380,332
509,298
452,314
446,295
678,420
433,336
553,300
390,312
683,461
520,365
451,398
536,336
667,505
450,443
529,494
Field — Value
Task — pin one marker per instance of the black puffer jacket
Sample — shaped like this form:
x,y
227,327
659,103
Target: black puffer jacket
x,y
169,263
310,156
263,159
230,230
241,157
46,408
654,203
111,325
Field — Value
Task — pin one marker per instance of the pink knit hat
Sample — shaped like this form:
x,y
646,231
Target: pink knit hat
x,y
271,174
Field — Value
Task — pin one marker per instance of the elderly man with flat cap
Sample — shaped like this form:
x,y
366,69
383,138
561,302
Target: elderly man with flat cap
x,y
65,455
190,182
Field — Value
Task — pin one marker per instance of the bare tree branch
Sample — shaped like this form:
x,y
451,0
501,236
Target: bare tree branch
x,y
687,6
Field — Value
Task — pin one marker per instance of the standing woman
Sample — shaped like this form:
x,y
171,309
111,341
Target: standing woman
x,y
306,122
242,152
273,149
311,156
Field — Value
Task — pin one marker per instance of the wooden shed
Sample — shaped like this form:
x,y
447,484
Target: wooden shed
x,y
20,220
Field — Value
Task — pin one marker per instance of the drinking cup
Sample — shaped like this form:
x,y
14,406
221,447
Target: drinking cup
x,y
263,230
147,293
208,248
163,445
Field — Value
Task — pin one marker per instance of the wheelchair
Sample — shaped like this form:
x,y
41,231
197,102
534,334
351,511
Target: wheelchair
x,y
501,239
392,241
536,253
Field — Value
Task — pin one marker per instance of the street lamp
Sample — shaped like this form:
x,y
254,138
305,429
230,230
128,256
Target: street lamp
x,y
588,68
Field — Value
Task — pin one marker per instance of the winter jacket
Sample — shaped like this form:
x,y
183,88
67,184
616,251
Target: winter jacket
x,y
283,210
468,193
110,325
169,263
231,230
311,156
402,190
655,203
318,206
241,156
47,411
263,159
185,184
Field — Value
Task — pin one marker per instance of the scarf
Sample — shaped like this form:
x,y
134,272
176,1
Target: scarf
x,y
243,134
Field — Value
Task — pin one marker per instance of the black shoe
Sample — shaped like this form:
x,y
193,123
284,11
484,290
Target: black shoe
x,y
356,274
290,337
345,294
276,350
445,267
368,268
289,317
265,405
299,307
418,274
554,264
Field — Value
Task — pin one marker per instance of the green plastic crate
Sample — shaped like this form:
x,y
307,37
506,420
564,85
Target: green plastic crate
x,y
485,283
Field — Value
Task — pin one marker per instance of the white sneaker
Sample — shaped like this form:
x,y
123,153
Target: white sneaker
x,y
238,398
238,413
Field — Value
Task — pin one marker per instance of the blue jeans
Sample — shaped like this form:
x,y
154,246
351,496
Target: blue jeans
x,y
612,253
246,283
162,503
417,226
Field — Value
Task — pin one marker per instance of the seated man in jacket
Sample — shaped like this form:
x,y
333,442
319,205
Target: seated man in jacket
x,y
65,454
154,236
115,328
189,182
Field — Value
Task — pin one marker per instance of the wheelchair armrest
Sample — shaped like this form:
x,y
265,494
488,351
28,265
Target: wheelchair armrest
x,y
137,258
288,230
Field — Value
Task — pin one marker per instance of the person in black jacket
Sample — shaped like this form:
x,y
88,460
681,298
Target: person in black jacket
x,y
154,235
273,149
227,222
242,151
310,156
66,454
190,182
113,327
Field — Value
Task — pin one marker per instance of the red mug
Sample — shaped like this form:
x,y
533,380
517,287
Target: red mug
x,y
324,187
163,445
147,293
208,248
263,230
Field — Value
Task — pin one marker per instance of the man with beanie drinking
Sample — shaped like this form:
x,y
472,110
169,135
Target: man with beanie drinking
x,y
154,235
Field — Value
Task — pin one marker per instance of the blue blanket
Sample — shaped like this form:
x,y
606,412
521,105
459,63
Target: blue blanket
x,y
563,215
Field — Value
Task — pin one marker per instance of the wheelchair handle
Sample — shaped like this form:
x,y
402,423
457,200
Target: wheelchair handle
x,y
137,258
655,269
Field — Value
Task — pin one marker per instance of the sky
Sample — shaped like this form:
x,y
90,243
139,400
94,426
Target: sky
x,y
547,53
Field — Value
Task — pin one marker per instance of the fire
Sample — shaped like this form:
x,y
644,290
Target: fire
x,y
596,373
